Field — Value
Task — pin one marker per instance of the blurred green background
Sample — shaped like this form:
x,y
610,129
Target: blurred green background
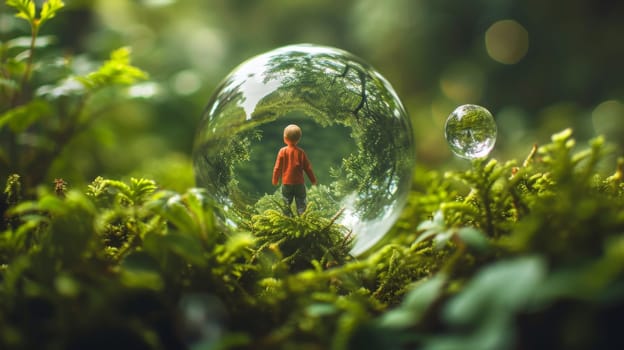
x,y
538,66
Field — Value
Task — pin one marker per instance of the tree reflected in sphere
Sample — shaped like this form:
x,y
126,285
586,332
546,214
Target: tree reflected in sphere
x,y
470,131
356,134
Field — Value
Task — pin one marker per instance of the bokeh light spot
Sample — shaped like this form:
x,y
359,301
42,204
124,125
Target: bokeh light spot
x,y
185,82
144,90
462,82
507,41
158,3
608,119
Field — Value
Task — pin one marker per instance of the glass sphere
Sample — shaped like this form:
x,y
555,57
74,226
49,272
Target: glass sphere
x,y
470,131
356,134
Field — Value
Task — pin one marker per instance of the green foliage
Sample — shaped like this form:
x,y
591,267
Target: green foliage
x,y
13,189
116,71
26,10
341,98
135,193
320,200
546,258
552,225
504,255
44,106
302,242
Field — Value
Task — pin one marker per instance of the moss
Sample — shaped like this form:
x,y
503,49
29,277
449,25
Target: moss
x,y
290,282
505,255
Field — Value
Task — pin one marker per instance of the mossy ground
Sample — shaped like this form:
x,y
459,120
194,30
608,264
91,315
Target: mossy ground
x,y
502,256
506,255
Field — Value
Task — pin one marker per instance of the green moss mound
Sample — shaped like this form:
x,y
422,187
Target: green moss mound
x,y
501,256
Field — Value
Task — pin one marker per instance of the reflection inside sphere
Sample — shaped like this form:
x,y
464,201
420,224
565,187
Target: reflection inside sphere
x,y
470,131
356,134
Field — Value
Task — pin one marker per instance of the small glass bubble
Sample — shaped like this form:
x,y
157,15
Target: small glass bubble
x,y
355,132
470,131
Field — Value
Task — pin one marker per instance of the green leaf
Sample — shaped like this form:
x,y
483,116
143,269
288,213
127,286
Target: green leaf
x,y
435,223
8,83
53,204
321,309
493,334
473,238
176,213
431,227
134,194
415,304
441,239
25,8
15,240
49,10
181,244
235,245
189,212
140,270
503,287
20,118
116,71
486,308
140,189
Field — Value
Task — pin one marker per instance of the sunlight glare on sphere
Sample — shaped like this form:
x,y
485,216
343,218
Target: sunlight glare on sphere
x,y
470,131
356,134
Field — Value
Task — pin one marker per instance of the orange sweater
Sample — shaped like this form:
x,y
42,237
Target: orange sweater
x,y
290,164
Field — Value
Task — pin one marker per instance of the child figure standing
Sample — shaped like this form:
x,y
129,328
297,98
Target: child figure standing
x,y
290,165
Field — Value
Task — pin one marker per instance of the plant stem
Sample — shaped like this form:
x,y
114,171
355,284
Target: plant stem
x,y
15,99
29,64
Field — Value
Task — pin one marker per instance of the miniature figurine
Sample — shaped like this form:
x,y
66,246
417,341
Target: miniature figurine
x,y
290,165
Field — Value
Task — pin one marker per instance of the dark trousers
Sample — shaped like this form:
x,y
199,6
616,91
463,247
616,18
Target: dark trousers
x,y
296,192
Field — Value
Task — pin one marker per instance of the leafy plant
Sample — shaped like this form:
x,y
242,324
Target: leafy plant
x,y
504,255
39,117
438,281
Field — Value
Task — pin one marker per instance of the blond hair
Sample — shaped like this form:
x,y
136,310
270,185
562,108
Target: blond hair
x,y
292,133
